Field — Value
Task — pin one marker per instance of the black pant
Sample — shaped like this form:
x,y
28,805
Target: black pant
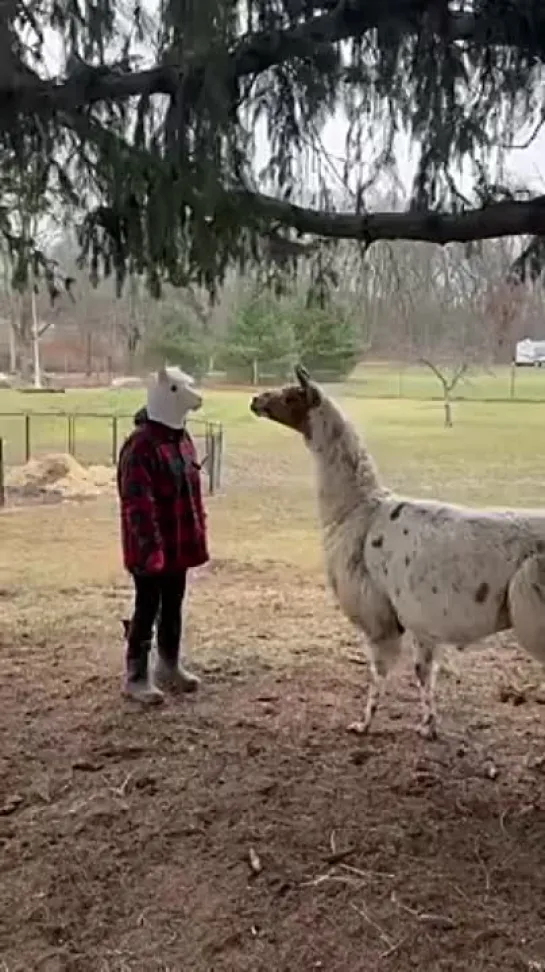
x,y
156,596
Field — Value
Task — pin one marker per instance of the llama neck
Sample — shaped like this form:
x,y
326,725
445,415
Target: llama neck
x,y
347,476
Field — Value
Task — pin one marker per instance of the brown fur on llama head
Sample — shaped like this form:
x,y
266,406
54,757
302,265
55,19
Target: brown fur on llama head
x,y
290,405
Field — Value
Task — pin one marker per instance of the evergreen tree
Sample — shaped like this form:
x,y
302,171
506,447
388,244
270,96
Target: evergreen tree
x,y
327,339
259,340
154,161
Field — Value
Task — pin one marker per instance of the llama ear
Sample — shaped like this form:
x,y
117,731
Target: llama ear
x,y
162,375
302,376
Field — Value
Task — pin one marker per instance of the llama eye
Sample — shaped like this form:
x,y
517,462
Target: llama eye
x,y
174,388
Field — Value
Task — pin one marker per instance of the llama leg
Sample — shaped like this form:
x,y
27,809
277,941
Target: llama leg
x,y
526,604
426,668
382,657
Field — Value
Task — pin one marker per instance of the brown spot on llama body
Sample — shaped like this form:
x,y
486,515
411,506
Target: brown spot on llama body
x,y
377,542
482,593
394,515
407,561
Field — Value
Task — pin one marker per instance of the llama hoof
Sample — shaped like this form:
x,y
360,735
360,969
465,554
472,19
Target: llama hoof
x,y
358,728
428,730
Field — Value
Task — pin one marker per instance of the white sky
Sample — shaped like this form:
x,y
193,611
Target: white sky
x,y
524,167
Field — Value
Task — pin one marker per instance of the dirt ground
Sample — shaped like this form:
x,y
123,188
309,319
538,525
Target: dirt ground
x,y
244,829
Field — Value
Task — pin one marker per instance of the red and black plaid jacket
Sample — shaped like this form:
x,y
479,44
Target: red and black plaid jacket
x,y
162,512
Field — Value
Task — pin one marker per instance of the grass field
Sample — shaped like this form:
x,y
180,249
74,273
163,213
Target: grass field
x,y
125,837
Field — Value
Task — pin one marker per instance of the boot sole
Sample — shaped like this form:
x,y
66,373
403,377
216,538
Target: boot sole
x,y
175,688
144,700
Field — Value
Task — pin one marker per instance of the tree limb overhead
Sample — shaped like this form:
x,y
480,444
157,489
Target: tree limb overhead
x,y
510,218
259,51
155,164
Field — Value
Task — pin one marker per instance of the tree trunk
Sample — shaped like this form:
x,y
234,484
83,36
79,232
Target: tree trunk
x,y
448,410
23,332
36,365
13,355
255,372
88,354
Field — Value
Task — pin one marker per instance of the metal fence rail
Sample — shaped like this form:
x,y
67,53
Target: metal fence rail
x,y
94,438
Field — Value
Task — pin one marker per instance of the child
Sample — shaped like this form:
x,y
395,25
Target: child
x,y
163,528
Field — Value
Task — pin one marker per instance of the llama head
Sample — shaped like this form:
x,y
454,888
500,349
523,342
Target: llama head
x,y
291,405
171,395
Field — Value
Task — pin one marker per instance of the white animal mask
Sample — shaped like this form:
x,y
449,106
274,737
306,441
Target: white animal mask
x,y
171,395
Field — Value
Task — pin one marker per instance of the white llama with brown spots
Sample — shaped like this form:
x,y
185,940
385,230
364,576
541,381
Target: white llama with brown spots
x,y
447,574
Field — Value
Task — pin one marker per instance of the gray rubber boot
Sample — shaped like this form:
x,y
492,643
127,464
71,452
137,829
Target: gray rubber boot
x,y
137,684
171,676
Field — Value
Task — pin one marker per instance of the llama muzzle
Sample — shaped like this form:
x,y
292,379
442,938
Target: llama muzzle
x,y
258,405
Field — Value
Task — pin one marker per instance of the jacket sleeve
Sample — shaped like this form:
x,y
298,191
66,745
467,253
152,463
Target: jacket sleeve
x,y
136,475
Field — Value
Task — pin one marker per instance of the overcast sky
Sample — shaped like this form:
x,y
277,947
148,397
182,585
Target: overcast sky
x,y
524,167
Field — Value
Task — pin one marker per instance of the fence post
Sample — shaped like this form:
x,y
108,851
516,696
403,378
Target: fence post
x,y
512,380
27,437
115,438
71,435
219,455
2,490
212,463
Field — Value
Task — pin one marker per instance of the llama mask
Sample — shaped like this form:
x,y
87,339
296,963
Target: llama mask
x,y
171,395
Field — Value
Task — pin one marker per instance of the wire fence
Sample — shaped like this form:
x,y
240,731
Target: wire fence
x,y
94,439
502,383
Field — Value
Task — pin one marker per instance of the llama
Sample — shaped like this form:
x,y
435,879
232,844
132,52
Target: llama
x,y
444,574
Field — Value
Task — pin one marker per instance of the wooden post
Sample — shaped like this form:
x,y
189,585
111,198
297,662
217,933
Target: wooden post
x,y
207,450
27,438
115,438
72,434
219,455
71,444
2,480
212,462
512,380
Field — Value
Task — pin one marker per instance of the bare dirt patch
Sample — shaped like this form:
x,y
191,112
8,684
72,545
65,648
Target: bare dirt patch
x,y
244,829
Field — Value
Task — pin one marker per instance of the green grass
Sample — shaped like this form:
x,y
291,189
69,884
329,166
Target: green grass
x,y
492,455
377,380
266,510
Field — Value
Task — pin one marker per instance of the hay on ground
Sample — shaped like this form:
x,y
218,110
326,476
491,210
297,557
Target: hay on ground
x,y
58,474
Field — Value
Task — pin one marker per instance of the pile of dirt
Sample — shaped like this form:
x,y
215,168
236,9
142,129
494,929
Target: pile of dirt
x,y
60,476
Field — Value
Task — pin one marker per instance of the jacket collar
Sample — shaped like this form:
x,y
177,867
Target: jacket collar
x,y
163,433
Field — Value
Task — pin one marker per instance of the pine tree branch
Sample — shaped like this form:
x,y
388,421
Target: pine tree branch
x,y
523,28
509,218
